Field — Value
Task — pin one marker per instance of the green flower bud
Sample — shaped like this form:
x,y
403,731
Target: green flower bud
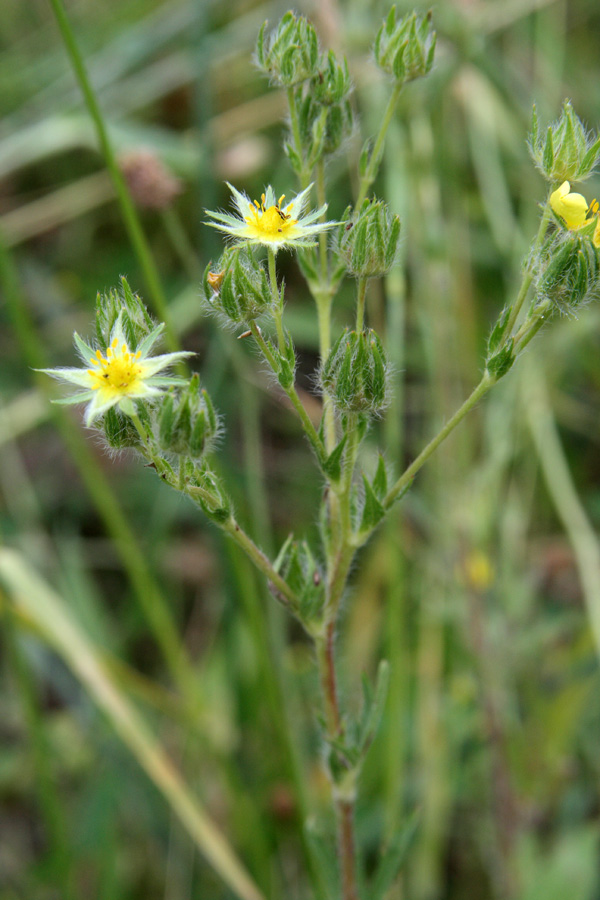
x,y
355,373
368,241
135,320
568,270
119,430
237,287
289,54
322,127
187,422
405,47
332,83
566,151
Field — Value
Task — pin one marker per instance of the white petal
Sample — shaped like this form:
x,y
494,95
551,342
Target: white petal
x,y
97,408
70,375
242,201
224,217
298,203
85,351
156,363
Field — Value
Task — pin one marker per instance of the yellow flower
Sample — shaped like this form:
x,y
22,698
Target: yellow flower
x,y
573,209
118,375
270,222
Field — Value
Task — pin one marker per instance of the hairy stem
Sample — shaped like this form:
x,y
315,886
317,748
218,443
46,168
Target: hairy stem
x,y
360,305
404,481
528,276
375,158
309,428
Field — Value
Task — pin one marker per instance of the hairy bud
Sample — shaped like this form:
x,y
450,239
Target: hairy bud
x,y
568,270
405,47
237,287
566,151
368,241
355,373
135,318
187,422
289,54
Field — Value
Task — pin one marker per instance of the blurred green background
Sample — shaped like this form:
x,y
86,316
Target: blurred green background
x,y
483,588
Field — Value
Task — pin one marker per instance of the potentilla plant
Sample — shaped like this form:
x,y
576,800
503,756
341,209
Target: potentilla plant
x,y
171,421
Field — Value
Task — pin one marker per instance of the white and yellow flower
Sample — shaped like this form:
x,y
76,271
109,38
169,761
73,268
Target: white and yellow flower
x,y
119,375
574,210
270,222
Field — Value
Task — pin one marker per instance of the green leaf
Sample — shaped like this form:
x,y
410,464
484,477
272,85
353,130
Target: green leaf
x,y
333,464
499,330
590,158
499,364
373,511
380,482
394,858
548,158
374,703
324,856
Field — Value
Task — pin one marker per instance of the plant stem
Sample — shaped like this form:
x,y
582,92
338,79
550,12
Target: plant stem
x,y
482,388
309,428
277,301
128,211
295,123
528,275
338,567
375,158
259,559
360,306
344,805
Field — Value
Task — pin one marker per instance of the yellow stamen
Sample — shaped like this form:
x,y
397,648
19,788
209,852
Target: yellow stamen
x,y
118,374
268,222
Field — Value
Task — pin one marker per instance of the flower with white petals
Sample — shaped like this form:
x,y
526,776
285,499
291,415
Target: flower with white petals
x,y
119,375
269,222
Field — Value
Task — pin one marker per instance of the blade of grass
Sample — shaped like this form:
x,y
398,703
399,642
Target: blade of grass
x,y
130,217
28,592
562,492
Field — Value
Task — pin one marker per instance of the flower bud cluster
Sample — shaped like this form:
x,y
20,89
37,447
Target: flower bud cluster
x,y
405,47
368,241
566,151
568,270
325,115
187,422
135,319
355,373
289,54
237,287
320,86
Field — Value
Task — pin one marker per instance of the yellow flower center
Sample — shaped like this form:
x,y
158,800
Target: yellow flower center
x,y
270,221
118,373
